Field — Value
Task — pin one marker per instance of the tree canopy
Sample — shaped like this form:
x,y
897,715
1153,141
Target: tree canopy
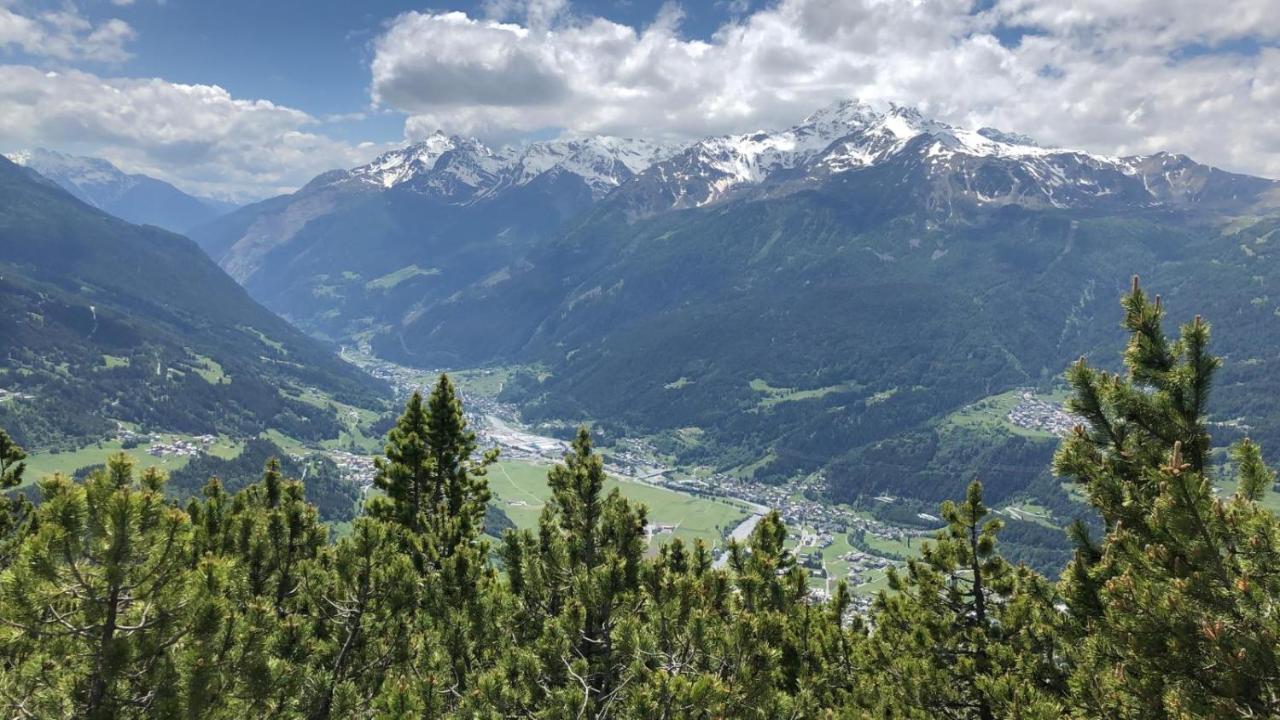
x,y
118,601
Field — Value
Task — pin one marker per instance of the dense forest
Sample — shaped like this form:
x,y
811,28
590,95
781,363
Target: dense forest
x,y
119,601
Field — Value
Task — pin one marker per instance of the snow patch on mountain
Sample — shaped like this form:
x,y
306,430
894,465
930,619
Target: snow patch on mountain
x,y
465,170
954,164
97,180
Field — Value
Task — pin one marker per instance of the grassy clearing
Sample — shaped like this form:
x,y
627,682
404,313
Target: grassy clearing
x,y
286,443
355,423
775,395
273,344
748,470
210,370
114,361
521,490
894,548
1030,512
874,582
484,382
390,280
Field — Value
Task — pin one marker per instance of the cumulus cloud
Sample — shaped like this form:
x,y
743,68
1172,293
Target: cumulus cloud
x,y
64,35
1124,76
197,136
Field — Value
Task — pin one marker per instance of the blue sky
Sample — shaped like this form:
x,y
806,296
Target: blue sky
x,y
314,55
244,99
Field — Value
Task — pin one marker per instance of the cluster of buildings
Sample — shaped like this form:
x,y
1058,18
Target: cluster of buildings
x,y
355,468
515,443
402,379
653,529
181,447
824,519
1033,413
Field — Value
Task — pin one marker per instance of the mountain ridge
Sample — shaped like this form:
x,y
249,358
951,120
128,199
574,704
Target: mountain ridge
x,y
105,321
133,197
880,269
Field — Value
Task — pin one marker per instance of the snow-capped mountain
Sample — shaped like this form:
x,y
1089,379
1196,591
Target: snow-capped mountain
x,y
945,166
137,198
950,164
464,170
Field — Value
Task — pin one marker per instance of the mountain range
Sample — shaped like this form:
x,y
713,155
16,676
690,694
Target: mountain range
x,y
106,324
133,197
818,301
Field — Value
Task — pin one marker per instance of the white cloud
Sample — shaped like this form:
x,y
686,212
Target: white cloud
x,y
1106,75
64,35
197,136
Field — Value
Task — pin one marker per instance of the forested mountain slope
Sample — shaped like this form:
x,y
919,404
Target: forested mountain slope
x,y
831,322
104,321
819,299
390,241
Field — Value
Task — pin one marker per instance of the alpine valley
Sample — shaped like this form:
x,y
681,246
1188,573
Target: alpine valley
x,y
106,326
830,301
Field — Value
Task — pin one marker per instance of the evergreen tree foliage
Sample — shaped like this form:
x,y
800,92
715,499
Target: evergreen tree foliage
x,y
98,588
116,602
11,462
1171,611
15,509
964,634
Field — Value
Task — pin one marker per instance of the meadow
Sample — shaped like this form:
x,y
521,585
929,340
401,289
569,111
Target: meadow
x,y
520,489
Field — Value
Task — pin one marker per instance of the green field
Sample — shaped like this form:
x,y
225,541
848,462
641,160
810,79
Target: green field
x,y
390,280
210,370
1030,512
485,382
775,395
40,465
355,421
520,490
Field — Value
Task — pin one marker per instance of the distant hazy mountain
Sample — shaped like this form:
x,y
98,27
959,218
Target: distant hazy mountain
x,y
819,300
104,321
137,198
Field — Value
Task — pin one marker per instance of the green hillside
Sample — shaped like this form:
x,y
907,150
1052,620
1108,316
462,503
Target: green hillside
x,y
103,322
801,336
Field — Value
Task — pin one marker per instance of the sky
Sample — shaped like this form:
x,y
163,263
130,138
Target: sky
x,y
243,100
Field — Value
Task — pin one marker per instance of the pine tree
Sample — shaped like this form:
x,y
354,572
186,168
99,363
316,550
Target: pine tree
x,y
435,487
437,495
406,473
459,476
1171,612
11,462
91,609
15,509
573,584
366,594
962,634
